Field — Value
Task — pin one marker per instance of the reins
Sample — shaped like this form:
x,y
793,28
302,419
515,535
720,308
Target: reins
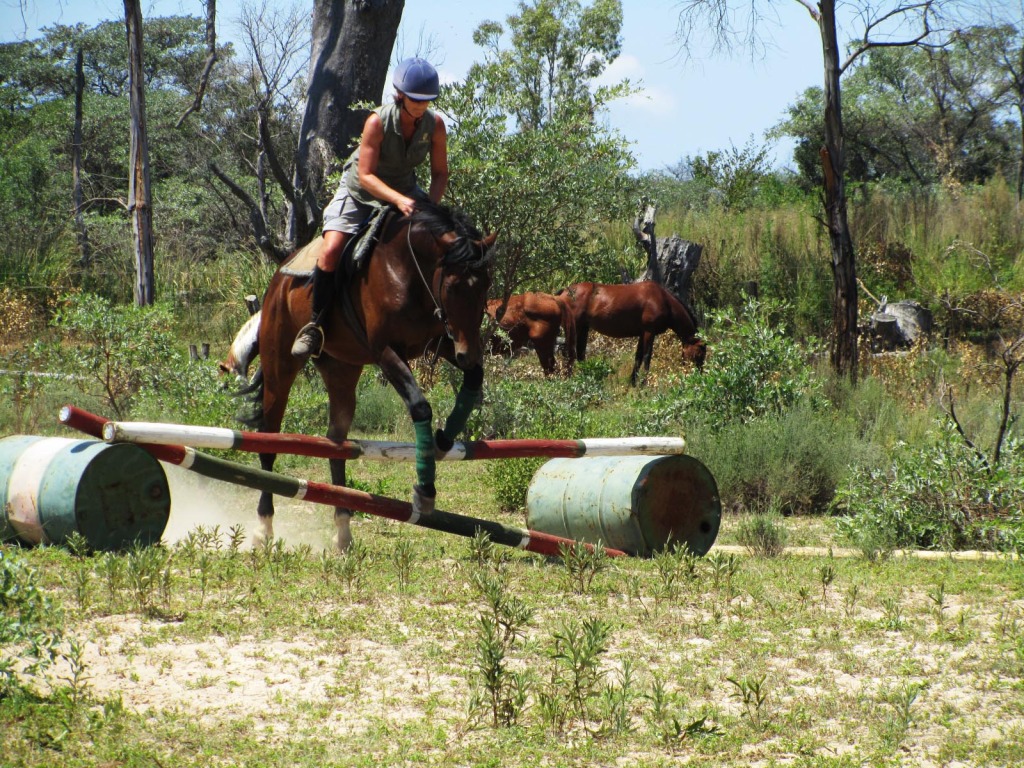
x,y
439,312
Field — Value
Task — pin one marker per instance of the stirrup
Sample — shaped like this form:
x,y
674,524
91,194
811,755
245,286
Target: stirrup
x,y
310,341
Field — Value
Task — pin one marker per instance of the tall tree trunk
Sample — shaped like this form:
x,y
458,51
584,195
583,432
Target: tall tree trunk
x,y
844,274
139,194
352,42
84,248
1020,159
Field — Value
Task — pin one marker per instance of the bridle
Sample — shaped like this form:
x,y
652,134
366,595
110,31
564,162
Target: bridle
x,y
438,299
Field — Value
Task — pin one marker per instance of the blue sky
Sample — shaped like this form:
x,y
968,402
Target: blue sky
x,y
684,107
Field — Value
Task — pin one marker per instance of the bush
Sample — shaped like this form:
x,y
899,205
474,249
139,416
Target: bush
x,y
938,495
119,348
763,534
753,371
793,462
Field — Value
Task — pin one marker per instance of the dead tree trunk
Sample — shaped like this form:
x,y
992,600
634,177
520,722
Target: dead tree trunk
x,y
84,248
139,193
671,261
844,274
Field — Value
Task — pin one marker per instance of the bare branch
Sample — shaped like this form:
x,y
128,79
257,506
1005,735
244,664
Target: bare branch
x,y
211,59
922,9
276,167
951,412
259,224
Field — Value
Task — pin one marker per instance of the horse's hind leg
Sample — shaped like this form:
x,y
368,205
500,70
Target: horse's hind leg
x,y
637,359
582,332
340,379
644,350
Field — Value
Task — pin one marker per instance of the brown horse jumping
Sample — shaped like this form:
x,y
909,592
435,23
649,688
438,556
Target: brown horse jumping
x,y
423,289
643,309
534,319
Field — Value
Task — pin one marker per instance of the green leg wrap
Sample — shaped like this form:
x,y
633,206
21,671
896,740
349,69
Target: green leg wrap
x,y
425,463
465,402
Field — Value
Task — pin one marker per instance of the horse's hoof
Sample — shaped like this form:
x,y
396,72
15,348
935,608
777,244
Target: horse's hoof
x,y
422,504
442,444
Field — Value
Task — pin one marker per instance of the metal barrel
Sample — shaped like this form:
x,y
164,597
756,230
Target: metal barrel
x,y
50,487
639,504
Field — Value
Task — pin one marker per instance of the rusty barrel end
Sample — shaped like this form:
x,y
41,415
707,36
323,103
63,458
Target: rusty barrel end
x,y
639,504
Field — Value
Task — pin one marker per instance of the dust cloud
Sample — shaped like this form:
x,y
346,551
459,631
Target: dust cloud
x,y
198,501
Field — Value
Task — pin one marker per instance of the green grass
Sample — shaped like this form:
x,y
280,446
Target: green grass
x,y
279,663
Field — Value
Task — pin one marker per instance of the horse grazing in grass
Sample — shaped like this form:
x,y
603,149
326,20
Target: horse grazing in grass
x,y
643,309
533,319
423,289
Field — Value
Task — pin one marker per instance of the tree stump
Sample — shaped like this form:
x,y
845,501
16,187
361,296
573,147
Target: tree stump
x,y
671,261
899,325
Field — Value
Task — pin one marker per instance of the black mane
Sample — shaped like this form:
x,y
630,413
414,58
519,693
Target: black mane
x,y
439,220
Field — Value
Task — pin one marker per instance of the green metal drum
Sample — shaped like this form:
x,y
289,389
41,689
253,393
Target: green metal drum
x,y
639,504
113,495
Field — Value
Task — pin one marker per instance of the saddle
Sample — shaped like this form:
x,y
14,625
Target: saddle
x,y
357,249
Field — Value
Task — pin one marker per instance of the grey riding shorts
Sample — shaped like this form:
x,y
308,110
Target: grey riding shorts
x,y
344,213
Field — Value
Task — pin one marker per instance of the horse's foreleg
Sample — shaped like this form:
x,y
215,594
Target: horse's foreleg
x,y
397,372
466,400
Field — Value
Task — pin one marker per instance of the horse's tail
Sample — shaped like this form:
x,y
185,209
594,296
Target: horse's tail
x,y
251,412
244,349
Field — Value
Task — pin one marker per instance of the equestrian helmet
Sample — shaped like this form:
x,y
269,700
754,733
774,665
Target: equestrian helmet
x,y
417,79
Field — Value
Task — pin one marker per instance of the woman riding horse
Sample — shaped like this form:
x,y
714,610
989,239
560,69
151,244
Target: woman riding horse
x,y
426,280
396,139
423,289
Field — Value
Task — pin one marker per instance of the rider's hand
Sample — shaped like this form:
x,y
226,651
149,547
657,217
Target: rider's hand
x,y
406,205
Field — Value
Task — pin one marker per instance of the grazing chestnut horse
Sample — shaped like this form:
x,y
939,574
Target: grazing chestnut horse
x,y
423,289
643,309
534,319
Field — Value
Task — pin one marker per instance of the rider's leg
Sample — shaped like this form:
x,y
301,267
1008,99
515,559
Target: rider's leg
x,y
311,338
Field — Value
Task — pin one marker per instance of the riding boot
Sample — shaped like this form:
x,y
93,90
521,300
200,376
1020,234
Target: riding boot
x,y
310,340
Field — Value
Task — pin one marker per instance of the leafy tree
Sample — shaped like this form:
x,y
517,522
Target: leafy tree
x,y
917,115
733,175
529,156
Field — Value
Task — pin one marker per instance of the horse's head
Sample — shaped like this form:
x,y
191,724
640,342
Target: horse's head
x,y
463,277
696,351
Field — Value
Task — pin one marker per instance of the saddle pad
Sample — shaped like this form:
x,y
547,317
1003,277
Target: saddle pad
x,y
358,248
301,263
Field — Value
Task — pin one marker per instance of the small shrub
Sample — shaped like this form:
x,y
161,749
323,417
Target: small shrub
x,y
755,368
30,626
119,348
763,534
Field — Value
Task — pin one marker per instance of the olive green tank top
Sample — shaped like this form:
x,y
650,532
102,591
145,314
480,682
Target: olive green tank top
x,y
398,159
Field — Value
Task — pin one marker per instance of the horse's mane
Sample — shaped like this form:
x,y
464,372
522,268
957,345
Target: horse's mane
x,y
439,220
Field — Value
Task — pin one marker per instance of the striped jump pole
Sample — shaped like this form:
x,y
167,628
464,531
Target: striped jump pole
x,y
333,495
151,433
